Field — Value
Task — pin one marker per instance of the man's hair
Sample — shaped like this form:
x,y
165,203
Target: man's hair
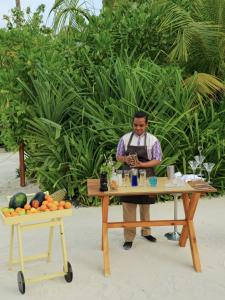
x,y
141,114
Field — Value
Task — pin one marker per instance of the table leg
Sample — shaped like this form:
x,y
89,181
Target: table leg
x,y
11,246
105,241
63,243
184,233
20,244
189,230
189,208
194,247
50,241
102,223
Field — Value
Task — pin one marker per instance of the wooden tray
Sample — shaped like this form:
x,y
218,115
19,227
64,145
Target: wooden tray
x,y
36,216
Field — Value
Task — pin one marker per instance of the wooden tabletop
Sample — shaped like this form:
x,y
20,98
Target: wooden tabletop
x,y
163,187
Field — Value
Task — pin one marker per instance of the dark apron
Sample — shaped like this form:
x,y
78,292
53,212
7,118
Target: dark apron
x,y
142,155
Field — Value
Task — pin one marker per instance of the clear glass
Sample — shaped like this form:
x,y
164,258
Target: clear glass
x,y
126,178
120,177
209,167
193,164
142,177
113,182
177,181
134,158
199,159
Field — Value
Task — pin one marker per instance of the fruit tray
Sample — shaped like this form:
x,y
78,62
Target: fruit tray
x,y
36,216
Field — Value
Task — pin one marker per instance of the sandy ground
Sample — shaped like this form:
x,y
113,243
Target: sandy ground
x,y
148,271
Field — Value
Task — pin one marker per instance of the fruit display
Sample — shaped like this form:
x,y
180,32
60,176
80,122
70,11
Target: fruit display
x,y
36,206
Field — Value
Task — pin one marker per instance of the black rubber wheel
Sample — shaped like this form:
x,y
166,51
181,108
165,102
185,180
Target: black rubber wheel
x,y
69,275
21,282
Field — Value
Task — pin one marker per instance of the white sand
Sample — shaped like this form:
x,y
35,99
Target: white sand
x,y
148,271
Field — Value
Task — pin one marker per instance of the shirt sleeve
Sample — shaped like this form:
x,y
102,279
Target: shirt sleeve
x,y
156,151
120,148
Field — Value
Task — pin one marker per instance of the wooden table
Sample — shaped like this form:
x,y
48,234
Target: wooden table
x,y
190,194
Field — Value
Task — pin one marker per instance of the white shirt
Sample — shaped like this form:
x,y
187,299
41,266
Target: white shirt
x,y
152,143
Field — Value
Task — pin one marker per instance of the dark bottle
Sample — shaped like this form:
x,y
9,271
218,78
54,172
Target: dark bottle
x,y
103,182
134,177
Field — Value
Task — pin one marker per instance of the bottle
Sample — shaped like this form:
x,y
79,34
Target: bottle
x,y
134,177
103,182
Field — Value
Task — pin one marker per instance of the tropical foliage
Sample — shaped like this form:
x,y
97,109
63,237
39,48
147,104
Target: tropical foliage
x,y
69,93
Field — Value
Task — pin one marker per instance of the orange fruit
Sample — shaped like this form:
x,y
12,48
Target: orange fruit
x,y
49,204
49,198
18,209
43,207
68,205
53,207
7,214
14,214
27,206
60,207
62,202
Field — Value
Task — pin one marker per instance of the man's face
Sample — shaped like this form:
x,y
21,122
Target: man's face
x,y
139,125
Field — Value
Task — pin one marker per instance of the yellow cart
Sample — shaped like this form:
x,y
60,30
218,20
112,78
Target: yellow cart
x,y
38,220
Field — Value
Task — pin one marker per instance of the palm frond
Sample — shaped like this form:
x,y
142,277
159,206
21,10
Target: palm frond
x,y
206,84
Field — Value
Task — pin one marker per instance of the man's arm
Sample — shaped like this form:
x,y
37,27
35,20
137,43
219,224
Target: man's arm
x,y
148,164
120,153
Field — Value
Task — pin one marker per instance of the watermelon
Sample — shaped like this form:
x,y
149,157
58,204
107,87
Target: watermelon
x,y
40,196
18,200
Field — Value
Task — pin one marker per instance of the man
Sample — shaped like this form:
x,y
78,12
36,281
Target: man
x,y
148,150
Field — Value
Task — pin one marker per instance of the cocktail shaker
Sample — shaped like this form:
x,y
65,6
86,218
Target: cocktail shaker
x,y
170,171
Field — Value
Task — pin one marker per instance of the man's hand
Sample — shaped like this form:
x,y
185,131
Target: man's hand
x,y
136,163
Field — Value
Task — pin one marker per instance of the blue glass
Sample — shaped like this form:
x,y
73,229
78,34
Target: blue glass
x,y
153,181
134,180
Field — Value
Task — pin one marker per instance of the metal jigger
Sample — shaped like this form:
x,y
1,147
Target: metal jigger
x,y
175,235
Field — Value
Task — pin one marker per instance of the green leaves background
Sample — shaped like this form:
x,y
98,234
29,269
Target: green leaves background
x,y
70,94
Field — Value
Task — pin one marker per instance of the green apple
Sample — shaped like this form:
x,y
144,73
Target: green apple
x,y
5,209
22,212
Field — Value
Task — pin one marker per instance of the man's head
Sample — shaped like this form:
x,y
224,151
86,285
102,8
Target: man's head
x,y
140,122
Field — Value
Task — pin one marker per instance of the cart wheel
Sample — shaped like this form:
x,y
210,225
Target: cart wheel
x,y
69,275
21,282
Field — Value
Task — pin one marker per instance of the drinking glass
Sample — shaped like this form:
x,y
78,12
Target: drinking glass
x,y
193,164
113,182
209,167
153,181
126,178
120,177
199,159
142,178
134,158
